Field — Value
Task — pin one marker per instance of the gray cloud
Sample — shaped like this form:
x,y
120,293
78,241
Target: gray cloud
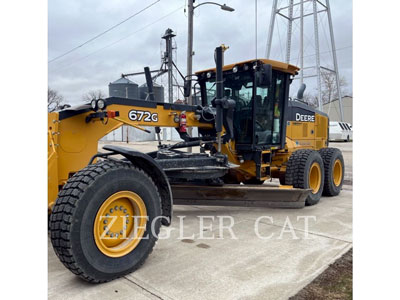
x,y
75,21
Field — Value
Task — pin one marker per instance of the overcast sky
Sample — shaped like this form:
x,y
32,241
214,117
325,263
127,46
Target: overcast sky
x,y
137,42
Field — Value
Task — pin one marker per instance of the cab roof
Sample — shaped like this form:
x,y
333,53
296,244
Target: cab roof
x,y
276,65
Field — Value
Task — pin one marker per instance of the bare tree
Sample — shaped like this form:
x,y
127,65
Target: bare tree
x,y
93,94
311,99
54,100
329,90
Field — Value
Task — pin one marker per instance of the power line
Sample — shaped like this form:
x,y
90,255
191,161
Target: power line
x,y
104,32
120,40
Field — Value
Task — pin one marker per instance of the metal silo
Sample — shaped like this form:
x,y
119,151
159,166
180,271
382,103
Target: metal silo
x,y
158,92
123,88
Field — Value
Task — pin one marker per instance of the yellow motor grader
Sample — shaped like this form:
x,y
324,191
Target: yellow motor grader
x,y
106,208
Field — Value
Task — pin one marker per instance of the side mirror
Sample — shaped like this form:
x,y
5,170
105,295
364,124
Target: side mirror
x,y
264,76
187,86
300,92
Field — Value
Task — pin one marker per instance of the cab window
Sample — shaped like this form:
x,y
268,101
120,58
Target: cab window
x,y
269,111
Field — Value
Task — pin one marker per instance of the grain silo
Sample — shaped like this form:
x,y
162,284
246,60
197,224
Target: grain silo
x,y
157,89
123,88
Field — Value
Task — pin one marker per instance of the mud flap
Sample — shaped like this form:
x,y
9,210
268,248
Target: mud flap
x,y
240,195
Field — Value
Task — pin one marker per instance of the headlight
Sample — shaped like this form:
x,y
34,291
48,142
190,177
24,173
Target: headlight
x,y
93,104
235,69
209,75
101,104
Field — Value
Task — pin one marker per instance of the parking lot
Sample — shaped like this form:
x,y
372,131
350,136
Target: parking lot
x,y
270,255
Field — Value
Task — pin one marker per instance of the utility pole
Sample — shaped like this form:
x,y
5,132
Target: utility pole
x,y
190,53
168,59
190,46
301,42
190,58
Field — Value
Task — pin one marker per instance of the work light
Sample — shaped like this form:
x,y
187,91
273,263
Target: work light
x,y
93,104
101,104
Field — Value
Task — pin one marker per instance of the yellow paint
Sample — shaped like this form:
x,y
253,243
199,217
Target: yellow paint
x,y
337,172
52,159
120,224
72,141
315,177
286,187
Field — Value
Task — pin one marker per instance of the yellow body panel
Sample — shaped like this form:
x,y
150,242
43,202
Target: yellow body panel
x,y
300,135
72,141
52,158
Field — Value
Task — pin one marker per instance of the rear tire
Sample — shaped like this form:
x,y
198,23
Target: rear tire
x,y
76,212
305,170
334,170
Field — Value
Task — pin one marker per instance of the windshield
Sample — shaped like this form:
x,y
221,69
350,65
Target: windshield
x,y
239,87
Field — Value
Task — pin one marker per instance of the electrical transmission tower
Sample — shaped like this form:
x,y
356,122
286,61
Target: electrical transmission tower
x,y
296,13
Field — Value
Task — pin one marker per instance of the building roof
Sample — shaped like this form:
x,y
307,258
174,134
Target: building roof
x,y
154,85
123,80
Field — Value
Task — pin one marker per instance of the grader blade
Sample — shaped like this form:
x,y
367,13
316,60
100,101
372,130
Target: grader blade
x,y
240,195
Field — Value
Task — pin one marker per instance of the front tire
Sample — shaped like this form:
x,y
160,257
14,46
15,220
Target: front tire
x,y
82,233
305,170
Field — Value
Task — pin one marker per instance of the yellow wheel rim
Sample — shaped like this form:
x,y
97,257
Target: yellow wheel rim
x,y
120,224
337,172
314,177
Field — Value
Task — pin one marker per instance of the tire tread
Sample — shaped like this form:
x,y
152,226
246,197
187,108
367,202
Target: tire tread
x,y
65,206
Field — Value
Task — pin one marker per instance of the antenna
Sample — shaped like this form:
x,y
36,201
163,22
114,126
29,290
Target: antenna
x,y
255,8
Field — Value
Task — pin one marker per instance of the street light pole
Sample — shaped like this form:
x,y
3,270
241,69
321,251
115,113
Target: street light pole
x,y
190,47
189,69
191,9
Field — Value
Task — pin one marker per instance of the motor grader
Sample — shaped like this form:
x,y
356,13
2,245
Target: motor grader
x,y
106,208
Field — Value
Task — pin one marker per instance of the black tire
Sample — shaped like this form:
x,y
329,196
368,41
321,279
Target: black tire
x,y
297,172
329,156
73,216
